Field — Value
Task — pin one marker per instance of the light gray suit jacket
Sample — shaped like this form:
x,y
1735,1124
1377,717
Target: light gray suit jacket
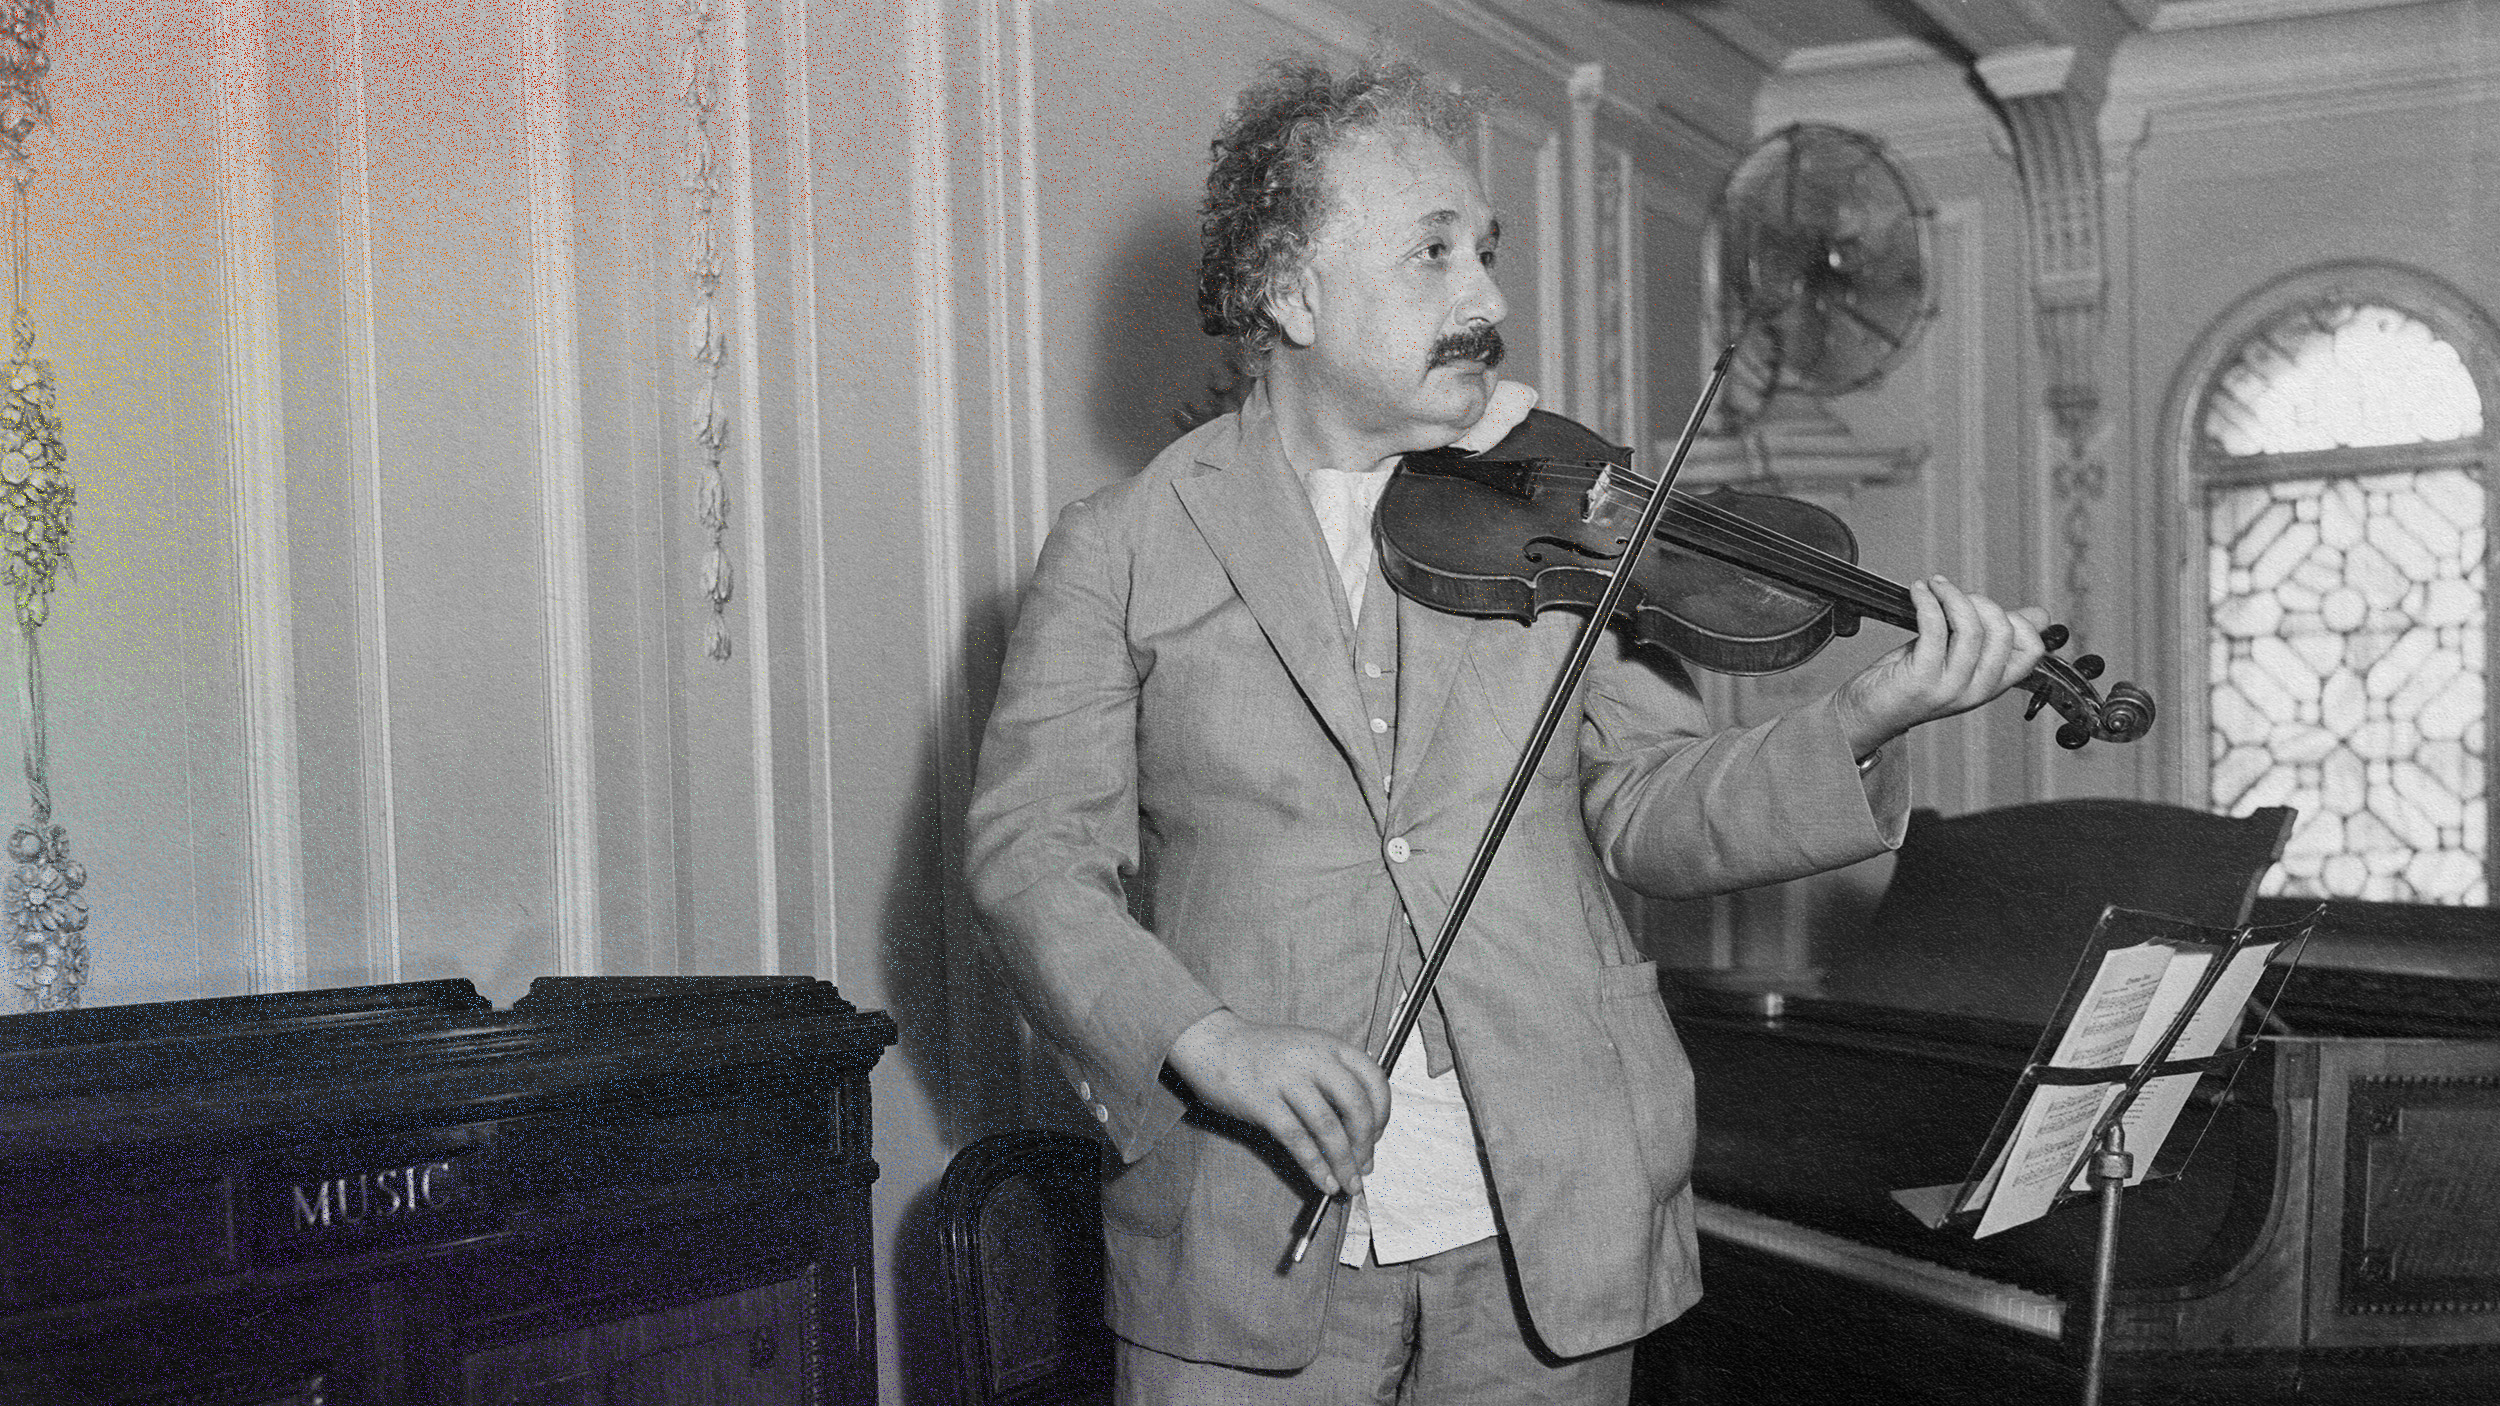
x,y
1178,809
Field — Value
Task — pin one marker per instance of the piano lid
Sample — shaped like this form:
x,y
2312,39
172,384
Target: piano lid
x,y
1986,912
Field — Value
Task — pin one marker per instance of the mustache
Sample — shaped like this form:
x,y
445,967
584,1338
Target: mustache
x,y
1479,344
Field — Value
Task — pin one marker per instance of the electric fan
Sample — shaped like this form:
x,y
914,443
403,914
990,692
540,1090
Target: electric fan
x,y
1820,246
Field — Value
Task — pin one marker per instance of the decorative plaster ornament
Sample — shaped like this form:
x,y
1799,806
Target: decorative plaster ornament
x,y
707,342
47,919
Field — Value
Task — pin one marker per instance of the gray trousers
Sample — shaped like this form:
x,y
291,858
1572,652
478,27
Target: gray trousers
x,y
1445,1330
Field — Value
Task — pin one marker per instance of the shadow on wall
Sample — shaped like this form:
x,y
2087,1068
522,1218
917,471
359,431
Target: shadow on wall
x,y
1151,362
918,978
960,1039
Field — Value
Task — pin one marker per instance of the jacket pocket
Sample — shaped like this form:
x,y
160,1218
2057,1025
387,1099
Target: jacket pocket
x,y
1657,1079
1147,1196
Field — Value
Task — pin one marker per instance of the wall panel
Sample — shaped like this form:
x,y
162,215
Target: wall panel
x,y
1519,163
145,703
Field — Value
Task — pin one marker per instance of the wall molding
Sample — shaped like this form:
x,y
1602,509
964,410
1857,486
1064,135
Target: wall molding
x,y
1546,229
1961,229
797,80
1549,272
264,610
1661,122
1618,381
2049,99
1335,29
1037,507
1326,24
1921,105
1892,51
947,617
377,798
563,520
2345,60
1586,89
2207,14
1011,231
735,116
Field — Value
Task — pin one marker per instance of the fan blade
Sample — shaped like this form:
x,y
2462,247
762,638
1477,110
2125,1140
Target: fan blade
x,y
1849,308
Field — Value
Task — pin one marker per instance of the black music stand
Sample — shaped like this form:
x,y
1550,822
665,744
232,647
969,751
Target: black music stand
x,y
2102,1164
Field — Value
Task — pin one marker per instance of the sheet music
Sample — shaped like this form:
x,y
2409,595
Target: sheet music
x,y
2148,1120
2111,1025
2058,1121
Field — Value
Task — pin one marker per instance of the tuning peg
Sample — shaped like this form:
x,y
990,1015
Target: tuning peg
x,y
2090,666
2053,638
2032,709
2073,735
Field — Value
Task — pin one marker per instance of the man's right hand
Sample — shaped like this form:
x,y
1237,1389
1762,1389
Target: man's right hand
x,y
1324,1099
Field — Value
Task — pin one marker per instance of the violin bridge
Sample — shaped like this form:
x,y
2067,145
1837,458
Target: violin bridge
x,y
1604,500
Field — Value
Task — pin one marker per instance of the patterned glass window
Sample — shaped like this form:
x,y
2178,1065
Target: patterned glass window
x,y
2347,595
2343,377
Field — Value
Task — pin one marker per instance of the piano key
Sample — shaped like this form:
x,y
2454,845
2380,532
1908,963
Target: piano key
x,y
1957,1290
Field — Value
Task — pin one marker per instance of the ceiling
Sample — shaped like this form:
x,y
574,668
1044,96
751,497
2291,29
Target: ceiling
x,y
1702,62
1777,34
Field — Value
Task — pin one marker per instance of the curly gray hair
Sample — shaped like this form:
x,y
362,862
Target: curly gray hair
x,y
1266,195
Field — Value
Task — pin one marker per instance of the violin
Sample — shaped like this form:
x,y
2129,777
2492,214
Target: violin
x,y
1734,582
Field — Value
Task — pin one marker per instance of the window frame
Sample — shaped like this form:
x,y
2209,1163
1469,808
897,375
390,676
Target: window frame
x,y
2191,464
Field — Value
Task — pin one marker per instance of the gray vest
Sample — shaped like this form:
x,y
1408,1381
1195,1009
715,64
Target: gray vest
x,y
1376,675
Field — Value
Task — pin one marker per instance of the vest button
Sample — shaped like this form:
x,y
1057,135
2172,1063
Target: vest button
x,y
1399,849
1380,724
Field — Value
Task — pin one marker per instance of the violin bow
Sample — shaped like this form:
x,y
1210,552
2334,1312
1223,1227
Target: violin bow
x,y
1557,702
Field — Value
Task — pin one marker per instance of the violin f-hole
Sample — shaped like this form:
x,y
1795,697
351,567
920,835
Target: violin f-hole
x,y
1581,549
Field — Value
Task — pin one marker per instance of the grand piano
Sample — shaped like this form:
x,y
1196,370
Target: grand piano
x,y
2335,1236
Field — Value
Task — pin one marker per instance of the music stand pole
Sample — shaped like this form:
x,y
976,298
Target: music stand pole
x,y
2111,1166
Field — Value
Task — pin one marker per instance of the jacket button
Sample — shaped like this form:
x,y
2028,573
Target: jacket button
x,y
1085,1090
1101,1114
1399,849
1380,724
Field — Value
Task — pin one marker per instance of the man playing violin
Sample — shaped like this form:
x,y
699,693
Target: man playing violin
x,y
1231,776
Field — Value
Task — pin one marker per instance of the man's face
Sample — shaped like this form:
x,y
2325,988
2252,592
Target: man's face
x,y
1398,291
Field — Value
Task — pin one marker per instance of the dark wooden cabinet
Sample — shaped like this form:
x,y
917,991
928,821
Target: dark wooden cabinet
x,y
622,1190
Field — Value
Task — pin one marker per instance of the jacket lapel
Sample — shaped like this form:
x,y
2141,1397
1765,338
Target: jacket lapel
x,y
1256,520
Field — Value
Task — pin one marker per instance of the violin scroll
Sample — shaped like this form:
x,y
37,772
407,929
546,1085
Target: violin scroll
x,y
2123,716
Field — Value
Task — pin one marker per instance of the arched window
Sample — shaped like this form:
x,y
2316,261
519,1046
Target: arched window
x,y
2337,441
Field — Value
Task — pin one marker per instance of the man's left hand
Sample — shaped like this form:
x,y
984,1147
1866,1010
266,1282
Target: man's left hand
x,y
1969,649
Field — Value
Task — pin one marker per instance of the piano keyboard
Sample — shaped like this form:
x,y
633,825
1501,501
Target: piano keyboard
x,y
1945,1287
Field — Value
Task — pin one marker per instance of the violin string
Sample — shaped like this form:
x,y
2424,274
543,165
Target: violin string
x,y
1809,567
1804,562
1801,564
